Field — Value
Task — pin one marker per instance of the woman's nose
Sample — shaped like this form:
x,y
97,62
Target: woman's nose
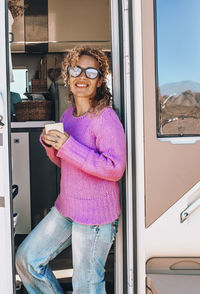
x,y
83,74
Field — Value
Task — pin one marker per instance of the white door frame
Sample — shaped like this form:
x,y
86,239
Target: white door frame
x,y
6,247
114,11
130,141
124,40
133,98
139,145
124,259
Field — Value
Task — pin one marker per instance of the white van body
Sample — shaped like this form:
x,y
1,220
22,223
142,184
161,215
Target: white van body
x,y
157,243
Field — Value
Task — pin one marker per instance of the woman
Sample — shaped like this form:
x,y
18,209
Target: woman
x,y
91,154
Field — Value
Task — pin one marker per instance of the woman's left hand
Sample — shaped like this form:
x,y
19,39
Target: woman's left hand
x,y
56,139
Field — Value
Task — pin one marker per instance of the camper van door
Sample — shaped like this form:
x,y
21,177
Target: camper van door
x,y
6,269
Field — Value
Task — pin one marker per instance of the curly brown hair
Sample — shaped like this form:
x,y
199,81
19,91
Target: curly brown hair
x,y
15,8
103,96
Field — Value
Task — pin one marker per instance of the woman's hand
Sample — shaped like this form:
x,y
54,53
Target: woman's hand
x,y
54,138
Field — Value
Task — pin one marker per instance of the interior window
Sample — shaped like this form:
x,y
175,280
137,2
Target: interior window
x,y
20,82
177,29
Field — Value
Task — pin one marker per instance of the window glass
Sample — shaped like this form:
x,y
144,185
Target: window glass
x,y
20,82
177,30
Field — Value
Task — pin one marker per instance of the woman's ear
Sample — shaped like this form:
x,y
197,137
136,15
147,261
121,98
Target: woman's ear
x,y
99,83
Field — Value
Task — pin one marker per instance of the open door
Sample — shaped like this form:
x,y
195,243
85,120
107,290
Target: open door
x,y
6,262
167,152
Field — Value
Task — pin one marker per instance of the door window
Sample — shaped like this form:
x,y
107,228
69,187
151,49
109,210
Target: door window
x,y
177,31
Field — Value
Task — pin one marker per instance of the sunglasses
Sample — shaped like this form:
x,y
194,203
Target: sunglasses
x,y
90,72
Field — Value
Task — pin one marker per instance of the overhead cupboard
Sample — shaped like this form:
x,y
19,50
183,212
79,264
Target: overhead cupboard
x,y
56,26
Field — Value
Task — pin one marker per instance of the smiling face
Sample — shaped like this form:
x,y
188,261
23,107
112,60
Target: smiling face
x,y
81,86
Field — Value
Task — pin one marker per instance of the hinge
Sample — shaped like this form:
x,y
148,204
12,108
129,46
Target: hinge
x,y
130,278
2,201
126,5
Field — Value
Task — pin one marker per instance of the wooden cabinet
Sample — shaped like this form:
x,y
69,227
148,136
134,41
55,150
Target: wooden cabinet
x,y
57,26
18,30
71,22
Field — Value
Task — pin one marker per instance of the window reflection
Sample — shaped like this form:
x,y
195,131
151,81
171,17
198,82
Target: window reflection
x,y
177,24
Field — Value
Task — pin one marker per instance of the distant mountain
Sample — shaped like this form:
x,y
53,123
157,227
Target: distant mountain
x,y
179,87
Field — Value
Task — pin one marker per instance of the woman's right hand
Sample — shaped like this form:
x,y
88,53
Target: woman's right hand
x,y
45,139
54,138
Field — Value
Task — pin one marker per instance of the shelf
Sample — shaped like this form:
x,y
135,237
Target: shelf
x,y
30,124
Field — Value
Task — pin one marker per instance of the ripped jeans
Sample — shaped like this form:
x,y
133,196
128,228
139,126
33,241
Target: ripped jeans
x,y
90,248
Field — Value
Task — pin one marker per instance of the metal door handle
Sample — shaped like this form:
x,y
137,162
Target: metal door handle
x,y
186,213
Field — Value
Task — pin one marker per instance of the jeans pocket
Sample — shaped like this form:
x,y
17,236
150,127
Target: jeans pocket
x,y
106,232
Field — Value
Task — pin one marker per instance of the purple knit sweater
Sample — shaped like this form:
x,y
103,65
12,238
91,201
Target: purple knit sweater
x,y
92,160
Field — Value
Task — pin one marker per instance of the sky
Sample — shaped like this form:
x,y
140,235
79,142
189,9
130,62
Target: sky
x,y
178,40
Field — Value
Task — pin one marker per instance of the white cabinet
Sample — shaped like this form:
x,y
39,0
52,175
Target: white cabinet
x,y
21,177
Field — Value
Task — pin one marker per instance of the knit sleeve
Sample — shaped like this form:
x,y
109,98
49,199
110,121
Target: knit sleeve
x,y
108,161
51,152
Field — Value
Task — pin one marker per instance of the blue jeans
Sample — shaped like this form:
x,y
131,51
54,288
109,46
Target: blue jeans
x,y
90,248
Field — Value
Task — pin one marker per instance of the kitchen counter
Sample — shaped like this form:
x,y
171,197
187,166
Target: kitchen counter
x,y
30,124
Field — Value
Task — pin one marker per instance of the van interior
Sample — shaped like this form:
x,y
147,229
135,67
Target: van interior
x,y
41,36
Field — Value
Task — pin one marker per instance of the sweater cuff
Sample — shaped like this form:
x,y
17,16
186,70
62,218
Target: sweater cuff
x,y
74,152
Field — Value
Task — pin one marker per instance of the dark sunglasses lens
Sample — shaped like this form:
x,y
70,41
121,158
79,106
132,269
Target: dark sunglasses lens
x,y
91,73
75,72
